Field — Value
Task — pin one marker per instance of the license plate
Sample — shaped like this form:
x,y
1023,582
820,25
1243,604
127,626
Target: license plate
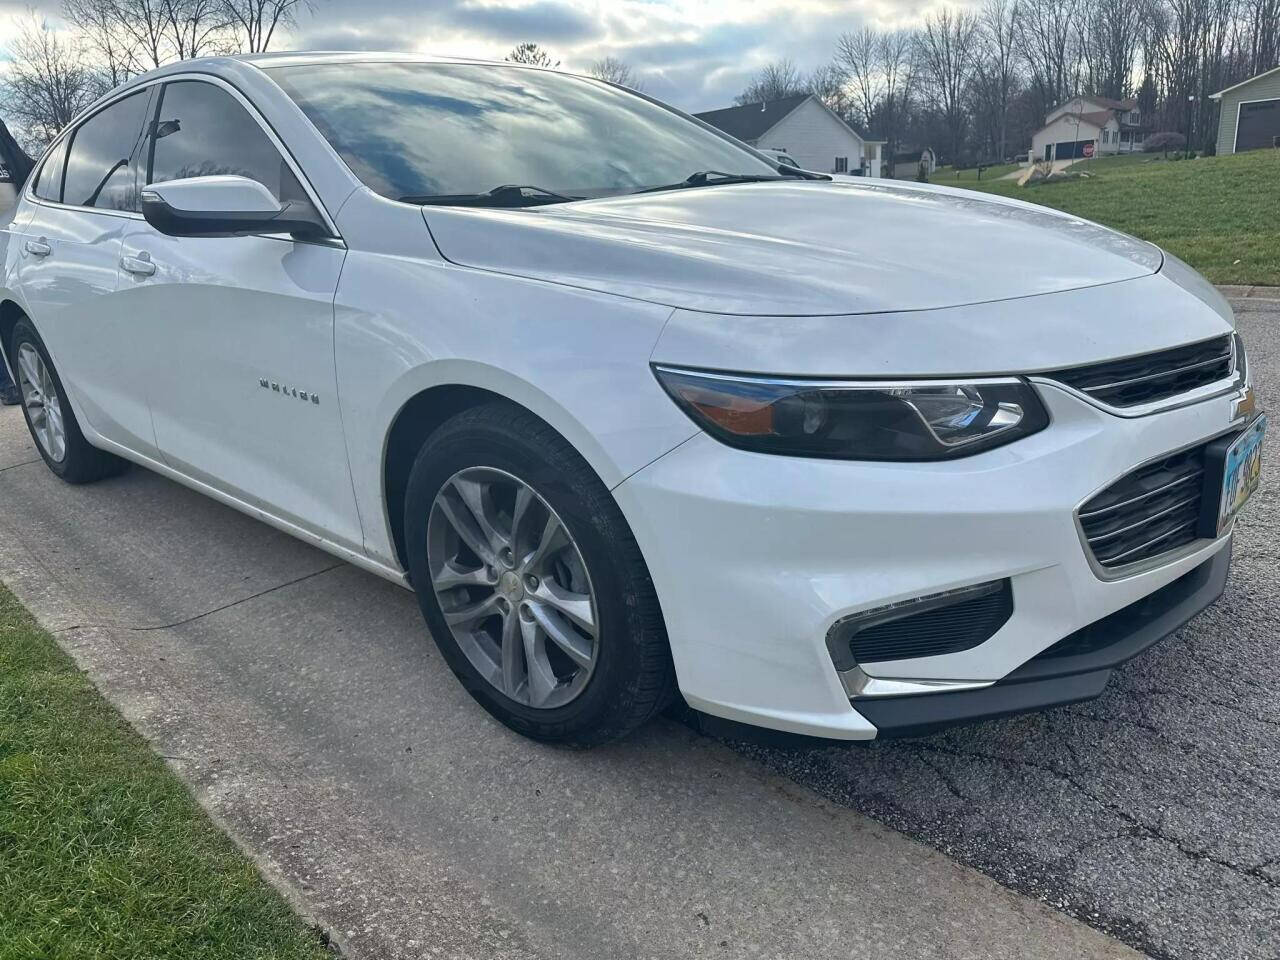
x,y
1241,471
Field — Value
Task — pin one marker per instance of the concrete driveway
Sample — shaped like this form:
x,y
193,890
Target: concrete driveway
x,y
312,716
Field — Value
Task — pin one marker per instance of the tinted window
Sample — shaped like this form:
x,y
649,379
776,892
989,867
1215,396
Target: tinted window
x,y
202,131
99,168
48,185
414,129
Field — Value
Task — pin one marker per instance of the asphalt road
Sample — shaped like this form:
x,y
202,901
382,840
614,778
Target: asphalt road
x,y
301,700
304,704
1152,812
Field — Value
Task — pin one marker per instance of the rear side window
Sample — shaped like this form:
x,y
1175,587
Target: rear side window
x,y
48,185
100,164
201,130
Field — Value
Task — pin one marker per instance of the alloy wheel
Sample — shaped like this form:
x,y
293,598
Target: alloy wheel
x,y
40,397
513,587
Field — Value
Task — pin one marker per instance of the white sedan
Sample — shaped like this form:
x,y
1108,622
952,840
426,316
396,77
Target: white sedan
x,y
639,413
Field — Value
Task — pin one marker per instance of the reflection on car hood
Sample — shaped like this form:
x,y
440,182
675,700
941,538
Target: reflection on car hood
x,y
798,248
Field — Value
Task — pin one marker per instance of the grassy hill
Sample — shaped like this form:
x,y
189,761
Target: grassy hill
x,y
1220,214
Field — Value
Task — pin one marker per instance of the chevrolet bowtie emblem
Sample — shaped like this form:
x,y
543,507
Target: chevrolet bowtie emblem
x,y
1245,404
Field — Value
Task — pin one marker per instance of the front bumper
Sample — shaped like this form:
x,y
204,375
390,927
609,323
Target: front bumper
x,y
1077,668
755,557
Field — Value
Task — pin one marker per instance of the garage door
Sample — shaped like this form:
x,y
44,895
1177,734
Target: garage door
x,y
1070,149
1259,125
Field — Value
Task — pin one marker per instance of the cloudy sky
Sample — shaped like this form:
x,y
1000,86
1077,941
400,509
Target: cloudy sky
x,y
696,54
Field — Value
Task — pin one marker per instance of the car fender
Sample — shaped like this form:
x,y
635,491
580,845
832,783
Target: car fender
x,y
575,358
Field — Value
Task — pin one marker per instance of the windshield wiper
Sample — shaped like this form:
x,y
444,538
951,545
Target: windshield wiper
x,y
507,195
715,178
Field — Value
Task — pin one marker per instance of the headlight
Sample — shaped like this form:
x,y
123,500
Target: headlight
x,y
869,420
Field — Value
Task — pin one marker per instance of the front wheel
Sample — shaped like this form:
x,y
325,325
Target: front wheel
x,y
49,416
531,582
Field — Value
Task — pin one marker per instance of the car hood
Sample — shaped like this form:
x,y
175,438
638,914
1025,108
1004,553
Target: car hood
x,y
804,248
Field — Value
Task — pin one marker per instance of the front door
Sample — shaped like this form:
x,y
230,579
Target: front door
x,y
240,329
68,255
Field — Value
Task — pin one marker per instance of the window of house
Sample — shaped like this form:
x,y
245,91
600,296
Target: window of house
x,y
100,169
202,130
842,165
1106,136
869,151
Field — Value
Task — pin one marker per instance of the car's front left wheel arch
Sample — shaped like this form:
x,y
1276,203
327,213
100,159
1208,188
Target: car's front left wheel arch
x,y
531,581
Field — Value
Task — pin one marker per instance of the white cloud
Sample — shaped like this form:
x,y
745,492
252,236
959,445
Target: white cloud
x,y
697,54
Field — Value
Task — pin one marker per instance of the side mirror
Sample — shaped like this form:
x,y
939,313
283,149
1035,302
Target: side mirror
x,y
225,206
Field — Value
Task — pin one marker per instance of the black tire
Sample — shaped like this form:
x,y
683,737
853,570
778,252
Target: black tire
x,y
633,678
81,462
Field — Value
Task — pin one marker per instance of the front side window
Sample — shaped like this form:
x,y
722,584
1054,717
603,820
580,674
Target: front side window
x,y
431,130
201,130
101,171
48,183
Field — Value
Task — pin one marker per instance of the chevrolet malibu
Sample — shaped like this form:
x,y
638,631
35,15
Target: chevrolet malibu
x,y
638,412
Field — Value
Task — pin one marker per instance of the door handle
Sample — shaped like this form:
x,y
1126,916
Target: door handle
x,y
38,248
139,266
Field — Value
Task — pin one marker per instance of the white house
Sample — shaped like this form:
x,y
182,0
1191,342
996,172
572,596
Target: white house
x,y
806,128
1088,126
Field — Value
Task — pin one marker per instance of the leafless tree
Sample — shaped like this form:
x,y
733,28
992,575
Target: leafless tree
x,y
996,67
197,28
47,83
945,51
113,47
1260,36
531,53
877,66
1109,32
773,82
254,22
131,36
1046,31
829,84
858,55
616,71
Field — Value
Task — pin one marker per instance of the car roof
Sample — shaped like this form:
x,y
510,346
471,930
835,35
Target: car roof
x,y
230,65
290,57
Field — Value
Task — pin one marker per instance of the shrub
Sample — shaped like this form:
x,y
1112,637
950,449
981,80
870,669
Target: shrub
x,y
1166,141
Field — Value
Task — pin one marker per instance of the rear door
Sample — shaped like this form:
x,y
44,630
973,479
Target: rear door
x,y
239,330
69,250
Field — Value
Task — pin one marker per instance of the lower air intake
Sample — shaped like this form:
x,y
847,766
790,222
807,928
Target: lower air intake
x,y
924,627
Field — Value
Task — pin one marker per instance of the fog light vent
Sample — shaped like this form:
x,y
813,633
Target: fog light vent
x,y
923,627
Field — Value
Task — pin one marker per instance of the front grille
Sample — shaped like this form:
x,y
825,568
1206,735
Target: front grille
x,y
1152,376
1148,512
929,626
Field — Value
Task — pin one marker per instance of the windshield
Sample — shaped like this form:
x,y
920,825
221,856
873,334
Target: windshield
x,y
421,130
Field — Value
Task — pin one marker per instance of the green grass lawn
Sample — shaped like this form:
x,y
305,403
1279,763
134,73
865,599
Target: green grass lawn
x,y
1220,214
948,175
103,853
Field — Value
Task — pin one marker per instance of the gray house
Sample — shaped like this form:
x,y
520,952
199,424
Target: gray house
x,y
1250,114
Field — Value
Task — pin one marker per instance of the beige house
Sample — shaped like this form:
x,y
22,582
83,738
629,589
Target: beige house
x,y
806,129
1249,118
1088,126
